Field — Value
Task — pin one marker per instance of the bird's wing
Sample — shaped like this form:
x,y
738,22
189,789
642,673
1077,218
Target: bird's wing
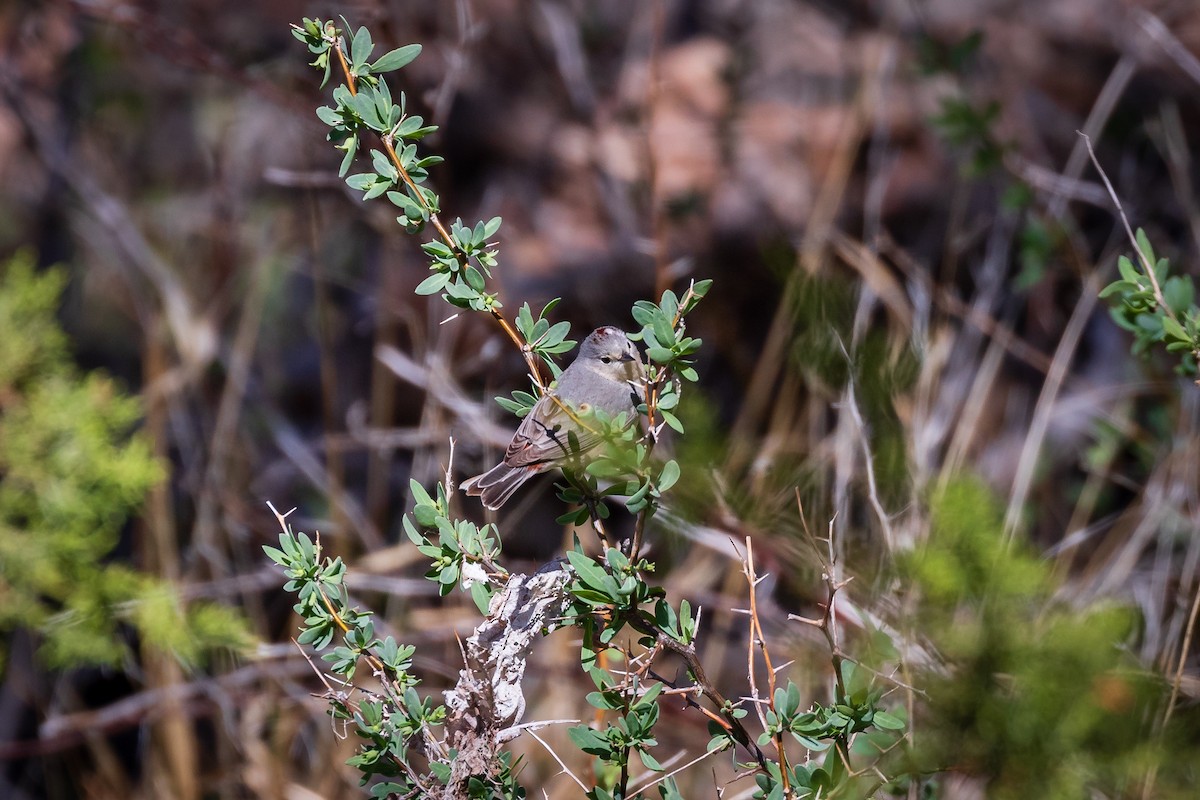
x,y
552,431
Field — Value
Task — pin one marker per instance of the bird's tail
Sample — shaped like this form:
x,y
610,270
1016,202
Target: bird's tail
x,y
497,484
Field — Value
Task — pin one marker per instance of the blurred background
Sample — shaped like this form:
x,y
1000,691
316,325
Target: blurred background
x,y
907,240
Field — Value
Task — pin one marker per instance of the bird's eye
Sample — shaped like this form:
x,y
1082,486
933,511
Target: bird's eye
x,y
606,359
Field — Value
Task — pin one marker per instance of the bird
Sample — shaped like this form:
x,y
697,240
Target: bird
x,y
606,375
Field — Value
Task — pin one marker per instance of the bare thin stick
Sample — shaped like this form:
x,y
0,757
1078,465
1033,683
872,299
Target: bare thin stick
x,y
758,637
450,473
1145,262
1183,653
561,764
672,773
751,672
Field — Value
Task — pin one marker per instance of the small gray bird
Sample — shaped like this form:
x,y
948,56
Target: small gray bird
x,y
606,375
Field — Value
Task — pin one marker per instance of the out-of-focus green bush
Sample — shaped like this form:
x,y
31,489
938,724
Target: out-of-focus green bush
x,y
72,472
1035,696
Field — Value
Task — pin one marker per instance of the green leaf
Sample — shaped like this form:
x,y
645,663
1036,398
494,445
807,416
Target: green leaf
x,y
590,741
348,159
482,595
1116,286
410,207
660,354
1179,293
418,493
1145,246
1161,269
410,127
719,742
1174,330
576,517
524,320
671,420
662,330
330,116
669,475
591,596
669,304
556,334
363,104
1150,323
276,555
589,572
361,47
883,719
601,700
395,59
1127,270
643,312
651,694
433,284
474,278
381,164
792,702
650,761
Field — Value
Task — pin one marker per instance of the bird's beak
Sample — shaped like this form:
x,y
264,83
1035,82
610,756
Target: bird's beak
x,y
627,358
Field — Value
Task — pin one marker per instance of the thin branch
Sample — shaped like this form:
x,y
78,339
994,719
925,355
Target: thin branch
x,y
758,637
1145,262
688,653
562,765
674,772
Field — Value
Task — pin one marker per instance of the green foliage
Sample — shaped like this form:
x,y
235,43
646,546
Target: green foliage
x,y
963,119
934,56
1156,306
636,714
969,125
1036,697
462,258
387,722
545,339
72,472
393,723
461,554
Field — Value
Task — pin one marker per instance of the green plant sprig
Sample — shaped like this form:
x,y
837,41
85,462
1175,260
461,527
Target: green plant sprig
x,y
1156,306
462,553
669,352
388,722
613,595
1152,304
464,256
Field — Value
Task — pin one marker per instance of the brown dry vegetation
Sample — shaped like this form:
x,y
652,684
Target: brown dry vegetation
x,y
168,154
